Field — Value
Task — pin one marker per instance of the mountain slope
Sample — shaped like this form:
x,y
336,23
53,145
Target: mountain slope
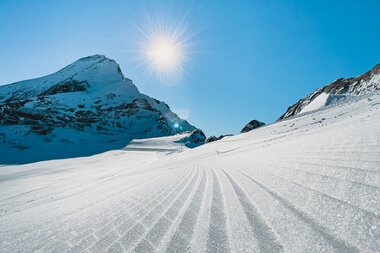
x,y
85,108
307,184
339,89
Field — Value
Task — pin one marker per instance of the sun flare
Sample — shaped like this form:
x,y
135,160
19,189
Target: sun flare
x,y
164,47
164,54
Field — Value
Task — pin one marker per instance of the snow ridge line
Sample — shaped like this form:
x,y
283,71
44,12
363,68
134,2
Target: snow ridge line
x,y
217,240
180,241
151,238
317,191
174,226
263,232
338,244
334,177
136,234
200,233
130,221
51,237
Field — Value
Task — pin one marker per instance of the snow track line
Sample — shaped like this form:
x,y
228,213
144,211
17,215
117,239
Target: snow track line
x,y
344,161
263,233
180,240
338,244
199,237
217,240
103,239
130,208
343,202
133,238
106,232
180,214
318,167
133,223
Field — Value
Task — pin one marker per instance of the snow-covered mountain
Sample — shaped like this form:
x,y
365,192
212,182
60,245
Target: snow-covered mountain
x,y
339,89
84,108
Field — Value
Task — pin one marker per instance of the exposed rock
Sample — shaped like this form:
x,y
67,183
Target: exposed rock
x,y
354,86
213,138
67,86
253,124
195,139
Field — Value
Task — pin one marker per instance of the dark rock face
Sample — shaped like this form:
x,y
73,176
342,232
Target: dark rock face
x,y
67,86
195,139
365,83
253,124
213,138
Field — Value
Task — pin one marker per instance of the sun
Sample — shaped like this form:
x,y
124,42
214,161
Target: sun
x,y
164,54
164,47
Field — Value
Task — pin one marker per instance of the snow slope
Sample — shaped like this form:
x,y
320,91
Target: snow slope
x,y
310,183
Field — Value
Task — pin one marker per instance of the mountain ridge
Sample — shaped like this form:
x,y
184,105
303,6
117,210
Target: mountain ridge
x,y
352,86
88,103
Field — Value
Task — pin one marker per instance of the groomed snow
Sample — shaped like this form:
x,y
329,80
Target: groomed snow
x,y
307,184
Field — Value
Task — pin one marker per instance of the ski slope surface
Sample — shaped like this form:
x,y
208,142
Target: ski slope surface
x,y
310,183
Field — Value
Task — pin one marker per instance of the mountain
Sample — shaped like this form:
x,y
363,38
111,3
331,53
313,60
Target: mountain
x,y
339,89
253,124
84,108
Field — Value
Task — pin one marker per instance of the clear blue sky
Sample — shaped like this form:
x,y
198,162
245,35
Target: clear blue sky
x,y
250,59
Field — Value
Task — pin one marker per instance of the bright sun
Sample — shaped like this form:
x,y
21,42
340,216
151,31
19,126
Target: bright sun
x,y
165,54
164,48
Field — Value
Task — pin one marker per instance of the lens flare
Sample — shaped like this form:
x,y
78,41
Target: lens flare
x,y
164,47
164,54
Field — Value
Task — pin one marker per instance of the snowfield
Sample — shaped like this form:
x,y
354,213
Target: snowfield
x,y
307,184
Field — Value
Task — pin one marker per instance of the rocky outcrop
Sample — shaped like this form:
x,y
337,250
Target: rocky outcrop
x,y
253,124
194,139
67,86
213,138
355,86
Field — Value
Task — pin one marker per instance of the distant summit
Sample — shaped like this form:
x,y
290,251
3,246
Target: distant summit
x,y
253,124
85,108
354,86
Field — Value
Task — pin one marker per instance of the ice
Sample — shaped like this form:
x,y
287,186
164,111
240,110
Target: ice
x,y
310,183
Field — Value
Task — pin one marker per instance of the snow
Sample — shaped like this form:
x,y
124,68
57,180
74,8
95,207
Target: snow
x,y
167,144
310,183
316,103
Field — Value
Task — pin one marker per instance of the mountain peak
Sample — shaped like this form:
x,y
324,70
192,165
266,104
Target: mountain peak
x,y
89,104
93,57
253,124
96,61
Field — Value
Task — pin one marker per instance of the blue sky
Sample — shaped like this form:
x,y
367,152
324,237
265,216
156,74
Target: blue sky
x,y
249,59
